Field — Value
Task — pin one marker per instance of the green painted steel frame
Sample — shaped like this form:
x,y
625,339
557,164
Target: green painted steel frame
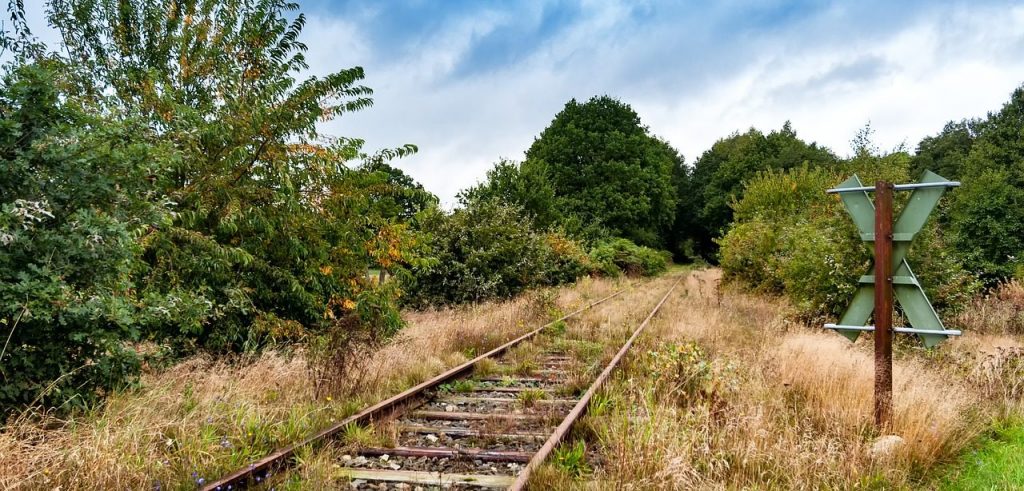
x,y
908,291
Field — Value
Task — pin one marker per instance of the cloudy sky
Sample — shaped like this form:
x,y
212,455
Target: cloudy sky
x,y
471,81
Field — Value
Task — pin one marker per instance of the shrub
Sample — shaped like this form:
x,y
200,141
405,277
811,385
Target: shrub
x,y
791,238
565,260
617,256
490,249
274,223
74,201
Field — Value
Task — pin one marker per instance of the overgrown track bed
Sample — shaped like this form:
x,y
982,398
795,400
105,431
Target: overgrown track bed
x,y
485,424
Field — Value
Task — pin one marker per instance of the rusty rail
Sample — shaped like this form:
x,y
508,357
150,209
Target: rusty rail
x,y
260,470
581,407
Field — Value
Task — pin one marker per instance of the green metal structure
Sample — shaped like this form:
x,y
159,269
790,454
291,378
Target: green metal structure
x,y
908,291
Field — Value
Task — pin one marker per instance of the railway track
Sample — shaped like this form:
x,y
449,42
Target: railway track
x,y
486,424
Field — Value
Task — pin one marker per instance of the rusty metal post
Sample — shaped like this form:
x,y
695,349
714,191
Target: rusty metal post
x,y
883,305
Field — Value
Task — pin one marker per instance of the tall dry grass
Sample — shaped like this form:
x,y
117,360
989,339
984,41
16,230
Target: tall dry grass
x,y
205,417
752,400
1000,311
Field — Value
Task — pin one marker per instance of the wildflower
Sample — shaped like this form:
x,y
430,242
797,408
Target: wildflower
x,y
328,398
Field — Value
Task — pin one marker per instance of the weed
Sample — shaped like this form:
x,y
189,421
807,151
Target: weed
x,y
188,399
600,404
530,397
486,367
572,459
358,436
463,386
525,367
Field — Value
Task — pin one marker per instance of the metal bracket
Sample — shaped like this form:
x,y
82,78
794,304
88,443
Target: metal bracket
x,y
907,330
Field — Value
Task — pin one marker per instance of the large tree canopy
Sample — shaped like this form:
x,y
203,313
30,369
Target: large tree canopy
x,y
526,187
607,171
946,152
719,174
987,214
273,230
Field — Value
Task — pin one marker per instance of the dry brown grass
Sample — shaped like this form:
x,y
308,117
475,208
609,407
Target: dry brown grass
x,y
765,403
1000,311
208,417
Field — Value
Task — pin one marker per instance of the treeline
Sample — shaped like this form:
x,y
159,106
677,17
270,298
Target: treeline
x,y
166,190
788,237
594,195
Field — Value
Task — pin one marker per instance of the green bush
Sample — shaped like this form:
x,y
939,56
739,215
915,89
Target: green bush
x,y
74,202
490,249
621,256
275,224
565,259
791,238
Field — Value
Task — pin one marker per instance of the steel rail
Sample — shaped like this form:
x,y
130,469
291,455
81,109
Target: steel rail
x,y
581,407
259,470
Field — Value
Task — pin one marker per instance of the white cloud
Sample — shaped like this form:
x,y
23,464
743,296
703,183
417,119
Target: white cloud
x,y
945,64
693,78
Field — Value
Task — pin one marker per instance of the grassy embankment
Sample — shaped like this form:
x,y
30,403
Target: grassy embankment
x,y
724,392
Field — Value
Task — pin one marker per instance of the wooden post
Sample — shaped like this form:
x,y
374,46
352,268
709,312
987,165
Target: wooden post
x,y
883,305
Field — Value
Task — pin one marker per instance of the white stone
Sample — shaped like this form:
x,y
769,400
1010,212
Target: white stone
x,y
431,438
885,446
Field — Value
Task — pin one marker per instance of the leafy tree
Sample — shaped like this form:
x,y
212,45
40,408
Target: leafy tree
x,y
525,186
607,171
946,152
76,196
987,212
719,174
397,195
273,231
